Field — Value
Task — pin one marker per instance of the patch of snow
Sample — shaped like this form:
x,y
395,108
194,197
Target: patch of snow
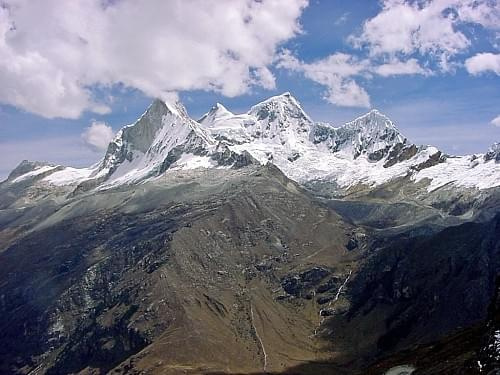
x,y
35,172
68,176
191,161
223,124
466,171
130,171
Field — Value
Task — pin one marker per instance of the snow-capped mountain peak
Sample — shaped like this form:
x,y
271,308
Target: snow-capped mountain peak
x,y
373,122
139,150
374,127
29,168
224,125
217,112
372,134
279,107
140,135
279,119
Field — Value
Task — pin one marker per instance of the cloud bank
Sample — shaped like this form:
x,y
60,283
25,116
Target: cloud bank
x,y
57,56
53,53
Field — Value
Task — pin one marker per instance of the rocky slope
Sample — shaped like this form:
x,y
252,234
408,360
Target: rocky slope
x,y
188,274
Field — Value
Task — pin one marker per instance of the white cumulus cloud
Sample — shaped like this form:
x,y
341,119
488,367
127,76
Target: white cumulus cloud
x,y
97,136
397,67
430,28
483,62
338,73
496,121
52,53
335,72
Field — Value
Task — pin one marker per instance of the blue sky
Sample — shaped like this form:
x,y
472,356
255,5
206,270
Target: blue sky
x,y
338,58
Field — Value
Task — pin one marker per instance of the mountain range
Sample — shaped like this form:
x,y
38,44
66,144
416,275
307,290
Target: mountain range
x,y
369,150
251,243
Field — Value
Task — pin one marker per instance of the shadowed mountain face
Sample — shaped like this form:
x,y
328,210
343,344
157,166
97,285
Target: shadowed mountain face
x,y
182,252
190,273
